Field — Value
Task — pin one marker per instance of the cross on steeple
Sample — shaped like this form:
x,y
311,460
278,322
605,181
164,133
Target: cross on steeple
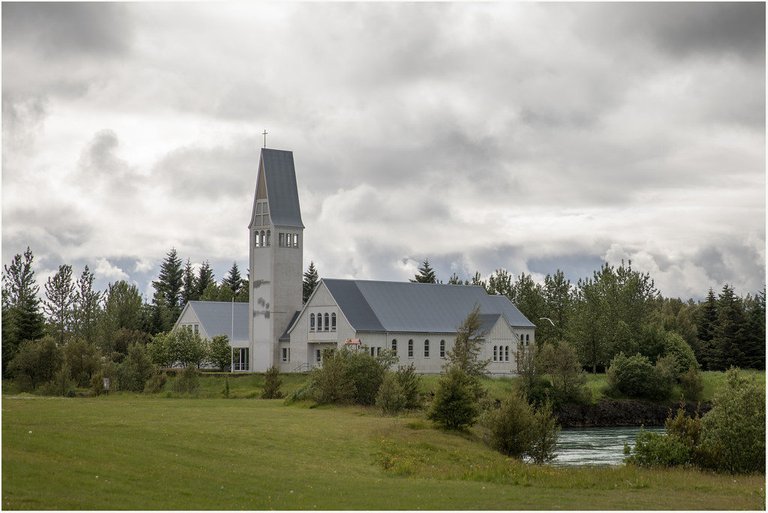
x,y
265,137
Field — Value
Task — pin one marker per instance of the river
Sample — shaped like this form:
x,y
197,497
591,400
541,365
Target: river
x,y
595,446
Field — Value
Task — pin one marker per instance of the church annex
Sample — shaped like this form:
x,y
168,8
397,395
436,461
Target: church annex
x,y
414,320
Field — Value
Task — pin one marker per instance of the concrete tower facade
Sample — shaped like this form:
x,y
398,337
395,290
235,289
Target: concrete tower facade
x,y
276,257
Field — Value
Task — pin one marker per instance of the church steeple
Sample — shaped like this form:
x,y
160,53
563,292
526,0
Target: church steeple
x,y
276,255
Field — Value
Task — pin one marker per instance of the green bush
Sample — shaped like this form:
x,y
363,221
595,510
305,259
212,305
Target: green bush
x,y
61,384
634,376
272,384
518,429
545,433
83,360
561,362
733,431
409,382
155,383
135,369
187,381
348,376
692,385
391,397
660,450
35,362
684,358
455,404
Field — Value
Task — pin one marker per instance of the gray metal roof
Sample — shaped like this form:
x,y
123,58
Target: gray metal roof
x,y
216,318
417,307
282,192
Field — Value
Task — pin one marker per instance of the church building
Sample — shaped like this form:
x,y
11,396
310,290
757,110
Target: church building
x,y
416,321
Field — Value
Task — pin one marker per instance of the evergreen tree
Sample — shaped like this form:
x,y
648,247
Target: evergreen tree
x,y
233,280
204,279
310,281
728,332
707,321
426,274
753,346
22,319
558,306
87,308
477,280
59,303
169,284
500,283
454,280
189,284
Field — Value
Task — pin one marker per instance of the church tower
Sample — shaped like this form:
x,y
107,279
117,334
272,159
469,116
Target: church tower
x,y
276,256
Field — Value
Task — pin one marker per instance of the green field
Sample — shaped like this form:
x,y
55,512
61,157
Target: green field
x,y
140,452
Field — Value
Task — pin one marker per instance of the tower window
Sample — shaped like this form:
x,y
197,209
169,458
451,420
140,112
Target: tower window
x,y
311,322
333,322
281,239
295,240
327,324
267,243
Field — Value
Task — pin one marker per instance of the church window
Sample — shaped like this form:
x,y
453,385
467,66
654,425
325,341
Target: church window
x,y
333,322
426,348
506,353
311,322
267,243
239,358
318,355
281,239
327,324
394,346
261,239
286,354
410,348
494,354
295,240
319,322
527,340
442,349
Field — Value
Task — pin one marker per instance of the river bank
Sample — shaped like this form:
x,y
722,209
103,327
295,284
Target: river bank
x,y
622,413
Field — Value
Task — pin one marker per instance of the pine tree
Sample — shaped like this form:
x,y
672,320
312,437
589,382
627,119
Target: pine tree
x,y
727,335
22,319
204,279
233,280
59,303
87,308
753,346
426,274
310,281
455,280
707,321
189,284
169,286
558,306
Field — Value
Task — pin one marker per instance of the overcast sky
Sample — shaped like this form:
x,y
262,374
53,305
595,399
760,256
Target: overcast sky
x,y
528,136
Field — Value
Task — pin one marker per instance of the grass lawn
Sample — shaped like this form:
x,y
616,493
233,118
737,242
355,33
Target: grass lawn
x,y
138,452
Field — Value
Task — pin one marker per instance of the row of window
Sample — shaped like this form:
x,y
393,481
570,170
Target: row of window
x,y
263,238
425,348
501,353
325,322
194,328
526,338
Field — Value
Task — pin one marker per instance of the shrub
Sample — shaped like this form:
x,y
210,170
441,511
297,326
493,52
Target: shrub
x,y
155,383
733,431
187,382
682,354
634,376
545,433
659,450
61,384
35,362
511,427
135,370
692,384
454,406
562,364
83,360
409,382
391,397
272,384
220,352
348,376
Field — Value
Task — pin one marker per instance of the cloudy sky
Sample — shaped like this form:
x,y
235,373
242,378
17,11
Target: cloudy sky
x,y
528,136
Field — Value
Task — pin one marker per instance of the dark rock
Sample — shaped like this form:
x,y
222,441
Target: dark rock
x,y
622,412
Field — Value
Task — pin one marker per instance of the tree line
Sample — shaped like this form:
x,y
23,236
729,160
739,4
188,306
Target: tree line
x,y
108,321
619,310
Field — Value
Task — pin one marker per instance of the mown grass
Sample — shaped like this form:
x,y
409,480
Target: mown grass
x,y
136,452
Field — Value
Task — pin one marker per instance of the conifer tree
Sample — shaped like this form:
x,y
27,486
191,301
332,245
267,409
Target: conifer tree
x,y
500,283
204,279
168,286
87,308
233,280
189,284
22,319
728,332
59,303
707,322
426,274
753,346
310,281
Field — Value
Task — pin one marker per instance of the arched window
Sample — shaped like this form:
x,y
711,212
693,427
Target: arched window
x,y
494,353
394,346
327,324
256,241
426,348
442,349
506,353
281,239
269,233
295,240
263,238
311,322
319,322
410,348
333,322
527,339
